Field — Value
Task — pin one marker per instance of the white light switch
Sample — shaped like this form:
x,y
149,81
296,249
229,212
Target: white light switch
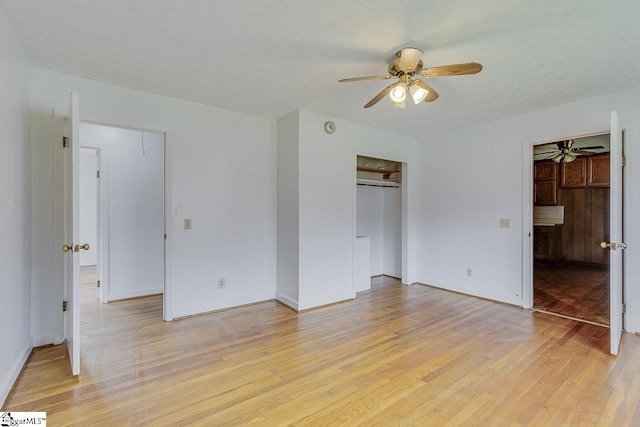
x,y
505,223
187,224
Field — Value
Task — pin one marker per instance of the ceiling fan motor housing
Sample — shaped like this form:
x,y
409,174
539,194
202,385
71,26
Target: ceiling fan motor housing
x,y
396,72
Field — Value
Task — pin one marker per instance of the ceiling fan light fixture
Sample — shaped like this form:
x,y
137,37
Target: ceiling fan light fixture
x,y
558,158
569,157
418,91
398,93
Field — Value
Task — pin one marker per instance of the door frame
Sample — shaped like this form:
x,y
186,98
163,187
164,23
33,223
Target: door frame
x,y
167,299
408,245
102,270
527,206
104,202
101,210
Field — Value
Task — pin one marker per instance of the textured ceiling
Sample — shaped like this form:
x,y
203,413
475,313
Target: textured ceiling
x,y
271,57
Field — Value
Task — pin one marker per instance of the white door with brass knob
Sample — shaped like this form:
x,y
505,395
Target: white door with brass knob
x,y
614,247
71,230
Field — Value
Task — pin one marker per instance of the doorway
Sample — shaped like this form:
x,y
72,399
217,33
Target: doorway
x,y
379,217
122,212
570,219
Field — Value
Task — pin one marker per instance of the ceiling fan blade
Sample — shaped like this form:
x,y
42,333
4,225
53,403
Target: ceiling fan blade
x,y
555,151
432,95
379,96
545,147
452,70
591,148
357,79
546,156
583,152
409,58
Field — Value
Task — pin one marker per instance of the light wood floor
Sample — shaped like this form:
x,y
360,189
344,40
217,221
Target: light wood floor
x,y
396,355
580,291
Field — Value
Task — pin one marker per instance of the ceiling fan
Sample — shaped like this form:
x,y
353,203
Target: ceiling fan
x,y
563,151
407,68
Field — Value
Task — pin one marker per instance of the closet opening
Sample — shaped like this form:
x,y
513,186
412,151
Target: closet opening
x,y
379,218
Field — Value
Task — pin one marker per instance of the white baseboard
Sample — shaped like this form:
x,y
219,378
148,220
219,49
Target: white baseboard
x,y
323,300
289,302
205,306
44,340
10,377
135,293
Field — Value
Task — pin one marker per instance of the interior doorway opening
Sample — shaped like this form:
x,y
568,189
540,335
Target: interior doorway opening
x,y
122,212
379,220
570,219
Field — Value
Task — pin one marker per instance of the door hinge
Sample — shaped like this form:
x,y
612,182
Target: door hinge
x,y
64,306
624,308
98,283
97,174
64,142
623,161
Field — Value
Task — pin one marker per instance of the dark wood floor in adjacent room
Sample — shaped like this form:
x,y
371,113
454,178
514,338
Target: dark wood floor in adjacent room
x,y
397,355
575,290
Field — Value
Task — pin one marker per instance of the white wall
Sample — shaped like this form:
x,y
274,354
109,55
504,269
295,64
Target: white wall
x,y
221,173
88,205
370,222
15,203
134,225
392,229
326,205
328,199
288,210
472,177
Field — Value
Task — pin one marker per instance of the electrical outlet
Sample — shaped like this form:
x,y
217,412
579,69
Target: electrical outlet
x,y
505,223
221,283
187,224
468,272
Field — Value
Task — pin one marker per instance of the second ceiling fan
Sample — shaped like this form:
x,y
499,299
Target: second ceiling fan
x,y
564,151
407,68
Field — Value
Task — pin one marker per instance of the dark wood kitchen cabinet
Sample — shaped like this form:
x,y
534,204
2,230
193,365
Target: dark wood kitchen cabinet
x,y
545,188
585,172
546,170
598,171
547,243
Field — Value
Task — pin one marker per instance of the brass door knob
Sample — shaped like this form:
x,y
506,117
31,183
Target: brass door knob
x,y
66,248
613,246
78,247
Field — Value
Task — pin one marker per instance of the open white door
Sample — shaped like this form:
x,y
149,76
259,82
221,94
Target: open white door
x,y
615,235
72,228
